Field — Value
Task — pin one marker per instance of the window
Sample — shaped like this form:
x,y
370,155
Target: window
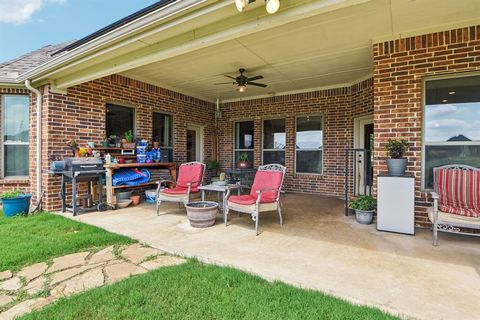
x,y
452,122
162,132
309,145
244,140
15,135
274,141
119,120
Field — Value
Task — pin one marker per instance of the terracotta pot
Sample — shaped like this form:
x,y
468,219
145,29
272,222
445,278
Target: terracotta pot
x,y
243,165
135,200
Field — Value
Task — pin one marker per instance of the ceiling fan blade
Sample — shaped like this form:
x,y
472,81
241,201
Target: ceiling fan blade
x,y
257,84
233,78
225,83
255,78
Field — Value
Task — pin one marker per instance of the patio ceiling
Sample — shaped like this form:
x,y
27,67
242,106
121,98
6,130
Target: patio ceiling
x,y
308,44
327,50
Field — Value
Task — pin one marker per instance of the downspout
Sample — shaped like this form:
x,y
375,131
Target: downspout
x,y
39,139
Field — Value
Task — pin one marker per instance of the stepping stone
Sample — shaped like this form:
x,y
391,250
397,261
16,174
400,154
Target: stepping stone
x,y
68,261
162,261
36,286
104,255
11,285
136,253
88,280
6,275
33,271
4,299
119,271
69,273
23,308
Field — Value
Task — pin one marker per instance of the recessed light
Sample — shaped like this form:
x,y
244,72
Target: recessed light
x,y
444,100
451,92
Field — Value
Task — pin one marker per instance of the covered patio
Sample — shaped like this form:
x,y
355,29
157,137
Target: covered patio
x,y
320,248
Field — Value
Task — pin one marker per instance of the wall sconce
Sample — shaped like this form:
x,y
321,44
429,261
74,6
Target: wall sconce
x,y
271,6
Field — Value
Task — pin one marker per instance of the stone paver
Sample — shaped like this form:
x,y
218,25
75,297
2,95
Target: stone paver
x,y
74,273
137,253
12,284
121,271
4,275
162,261
4,299
36,285
33,271
104,255
23,308
68,261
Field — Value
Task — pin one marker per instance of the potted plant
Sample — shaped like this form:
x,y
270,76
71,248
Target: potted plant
x,y
397,163
15,202
213,166
243,162
364,207
105,142
128,136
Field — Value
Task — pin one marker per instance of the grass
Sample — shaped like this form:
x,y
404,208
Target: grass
x,y
27,240
197,291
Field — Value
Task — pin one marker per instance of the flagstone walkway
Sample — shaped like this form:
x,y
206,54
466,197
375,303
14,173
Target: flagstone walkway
x,y
40,284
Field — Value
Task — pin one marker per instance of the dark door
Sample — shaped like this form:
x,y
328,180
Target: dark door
x,y
368,144
191,145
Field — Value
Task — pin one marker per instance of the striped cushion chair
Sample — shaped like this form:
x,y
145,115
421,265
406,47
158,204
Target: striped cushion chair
x,y
456,199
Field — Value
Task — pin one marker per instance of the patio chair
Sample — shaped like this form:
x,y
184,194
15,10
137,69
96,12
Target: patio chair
x,y
264,195
456,200
190,177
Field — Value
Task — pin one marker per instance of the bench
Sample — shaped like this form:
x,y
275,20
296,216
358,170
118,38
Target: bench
x,y
456,200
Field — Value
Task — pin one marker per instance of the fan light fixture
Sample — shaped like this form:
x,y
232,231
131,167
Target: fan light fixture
x,y
242,88
272,6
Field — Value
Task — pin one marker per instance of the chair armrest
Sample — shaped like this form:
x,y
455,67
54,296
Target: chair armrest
x,y
159,182
434,195
266,189
189,184
435,198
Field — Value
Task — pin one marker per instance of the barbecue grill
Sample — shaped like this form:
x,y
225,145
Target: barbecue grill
x,y
77,170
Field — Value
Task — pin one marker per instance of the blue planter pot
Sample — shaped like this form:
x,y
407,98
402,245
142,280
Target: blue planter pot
x,y
16,206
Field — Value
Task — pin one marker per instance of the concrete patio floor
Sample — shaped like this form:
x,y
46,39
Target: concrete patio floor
x,y
319,248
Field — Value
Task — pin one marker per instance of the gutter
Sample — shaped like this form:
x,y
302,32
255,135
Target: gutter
x,y
39,140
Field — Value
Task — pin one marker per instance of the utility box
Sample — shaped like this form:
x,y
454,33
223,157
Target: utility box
x,y
396,204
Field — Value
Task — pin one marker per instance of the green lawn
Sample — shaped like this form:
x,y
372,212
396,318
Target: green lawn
x,y
198,291
27,240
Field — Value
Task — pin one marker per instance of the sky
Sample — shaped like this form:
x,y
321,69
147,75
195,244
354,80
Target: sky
x,y
27,25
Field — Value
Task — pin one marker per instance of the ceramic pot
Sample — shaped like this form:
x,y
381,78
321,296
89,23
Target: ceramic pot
x,y
202,214
243,164
364,216
16,206
396,167
135,200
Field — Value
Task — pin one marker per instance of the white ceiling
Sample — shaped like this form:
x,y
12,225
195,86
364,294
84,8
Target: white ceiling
x,y
331,49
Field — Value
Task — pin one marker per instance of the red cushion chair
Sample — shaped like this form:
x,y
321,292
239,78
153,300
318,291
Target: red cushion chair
x,y
456,199
190,177
264,194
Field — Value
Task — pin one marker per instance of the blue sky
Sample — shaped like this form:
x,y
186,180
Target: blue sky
x,y
32,24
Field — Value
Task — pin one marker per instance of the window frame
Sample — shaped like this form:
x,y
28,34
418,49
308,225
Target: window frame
x,y
263,138
124,105
323,146
235,140
172,125
2,139
424,109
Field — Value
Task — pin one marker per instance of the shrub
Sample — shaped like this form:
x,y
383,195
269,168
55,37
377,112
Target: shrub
x,y
396,148
365,203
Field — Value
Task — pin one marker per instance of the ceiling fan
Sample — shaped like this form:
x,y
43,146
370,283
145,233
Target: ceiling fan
x,y
241,81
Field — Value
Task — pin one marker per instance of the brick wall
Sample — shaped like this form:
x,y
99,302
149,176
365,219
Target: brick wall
x,y
10,184
338,106
399,68
80,114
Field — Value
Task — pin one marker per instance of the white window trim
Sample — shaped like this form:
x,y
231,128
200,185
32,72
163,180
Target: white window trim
x,y
235,139
424,106
11,143
309,149
263,138
172,116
